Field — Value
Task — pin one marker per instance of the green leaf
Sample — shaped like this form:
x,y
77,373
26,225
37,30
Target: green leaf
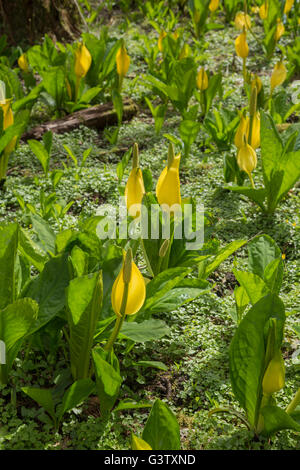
x,y
256,195
48,289
16,321
261,251
8,253
84,301
41,153
76,394
247,353
31,251
44,232
254,285
222,255
132,405
162,430
155,364
108,382
276,419
273,275
148,330
43,396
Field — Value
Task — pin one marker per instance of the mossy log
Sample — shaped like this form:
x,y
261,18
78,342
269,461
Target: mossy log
x,y
97,117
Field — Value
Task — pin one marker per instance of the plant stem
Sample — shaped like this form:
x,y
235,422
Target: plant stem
x,y
294,403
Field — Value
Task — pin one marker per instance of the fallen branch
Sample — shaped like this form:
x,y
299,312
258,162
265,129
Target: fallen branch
x,y
97,117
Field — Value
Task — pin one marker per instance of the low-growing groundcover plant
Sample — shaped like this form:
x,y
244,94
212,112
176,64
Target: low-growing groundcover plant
x,y
113,341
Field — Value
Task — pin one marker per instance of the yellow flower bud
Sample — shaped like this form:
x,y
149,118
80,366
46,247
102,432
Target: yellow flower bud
x,y
214,4
256,81
278,76
241,45
274,378
175,35
160,40
279,30
242,21
83,60
139,444
247,160
168,185
23,63
255,137
134,192
288,6
185,52
263,11
8,120
202,79
123,61
136,291
242,130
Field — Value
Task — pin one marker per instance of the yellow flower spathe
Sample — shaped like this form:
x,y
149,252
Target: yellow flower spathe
x,y
279,30
247,160
136,292
123,61
288,6
242,132
168,184
202,79
134,192
162,35
255,137
83,60
263,11
256,81
278,75
139,444
241,46
274,378
242,20
213,6
23,63
8,120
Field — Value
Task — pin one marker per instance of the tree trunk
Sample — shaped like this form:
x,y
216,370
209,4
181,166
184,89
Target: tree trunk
x,y
29,20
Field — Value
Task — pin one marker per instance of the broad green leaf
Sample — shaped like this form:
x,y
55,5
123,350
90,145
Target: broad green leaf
x,y
16,321
44,232
256,195
76,394
148,330
84,301
162,430
155,364
254,285
247,353
222,255
31,250
132,405
48,289
8,252
108,382
273,275
41,153
43,396
261,251
276,419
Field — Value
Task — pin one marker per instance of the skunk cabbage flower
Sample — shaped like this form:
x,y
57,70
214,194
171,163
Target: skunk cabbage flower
x,y
242,130
241,46
23,63
83,60
134,190
256,81
139,444
130,279
213,6
8,120
202,79
255,136
123,61
288,6
247,160
278,76
263,11
242,20
160,40
279,30
274,377
168,185
185,52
